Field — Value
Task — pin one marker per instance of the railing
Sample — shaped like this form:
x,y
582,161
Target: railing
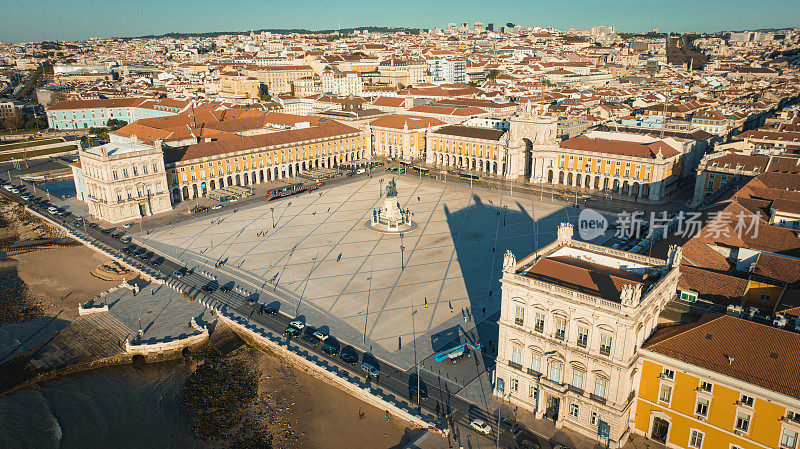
x,y
519,321
515,365
597,398
533,373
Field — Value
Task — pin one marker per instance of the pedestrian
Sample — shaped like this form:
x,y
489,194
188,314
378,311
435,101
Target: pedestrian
x,y
329,208
339,257
418,199
484,311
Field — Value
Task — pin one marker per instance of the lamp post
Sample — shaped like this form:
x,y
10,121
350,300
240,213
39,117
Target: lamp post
x,y
369,293
272,211
414,340
380,189
402,258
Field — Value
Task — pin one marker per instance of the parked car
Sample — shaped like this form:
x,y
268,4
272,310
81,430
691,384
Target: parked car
x,y
225,288
125,239
178,273
127,226
207,289
412,388
529,444
321,334
370,370
298,324
481,426
52,210
349,355
292,332
216,207
309,337
330,346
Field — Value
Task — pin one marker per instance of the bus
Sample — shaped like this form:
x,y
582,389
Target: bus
x,y
423,170
287,190
470,176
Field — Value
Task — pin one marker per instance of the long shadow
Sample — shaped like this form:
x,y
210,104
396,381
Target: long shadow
x,y
481,234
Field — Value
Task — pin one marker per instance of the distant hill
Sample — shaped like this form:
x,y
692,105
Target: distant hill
x,y
372,29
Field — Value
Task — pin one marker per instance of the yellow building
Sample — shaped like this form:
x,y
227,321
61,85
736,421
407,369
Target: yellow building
x,y
401,136
724,382
468,148
242,161
237,85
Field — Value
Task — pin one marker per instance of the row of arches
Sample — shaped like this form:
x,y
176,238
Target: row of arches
x,y
467,163
256,176
604,183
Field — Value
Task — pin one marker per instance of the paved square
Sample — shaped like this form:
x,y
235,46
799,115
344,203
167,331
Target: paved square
x,y
451,262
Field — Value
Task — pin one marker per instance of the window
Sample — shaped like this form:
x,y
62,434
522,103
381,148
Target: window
x,y
743,422
577,379
536,363
605,344
764,298
114,174
688,295
746,400
665,394
668,374
794,417
144,169
574,410
789,439
501,386
538,325
513,385
561,328
583,337
701,408
600,387
555,372
516,355
519,315
124,172
594,419
706,386
135,171
696,439
533,392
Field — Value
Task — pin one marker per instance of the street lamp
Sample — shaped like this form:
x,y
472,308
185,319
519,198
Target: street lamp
x,y
272,211
366,314
380,189
414,340
402,249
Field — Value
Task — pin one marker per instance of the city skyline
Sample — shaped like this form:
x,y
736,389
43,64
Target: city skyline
x,y
153,18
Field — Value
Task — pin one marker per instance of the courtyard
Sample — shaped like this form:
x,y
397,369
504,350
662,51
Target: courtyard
x,y
389,294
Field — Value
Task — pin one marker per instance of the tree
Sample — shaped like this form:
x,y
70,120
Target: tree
x,y
13,122
492,75
262,93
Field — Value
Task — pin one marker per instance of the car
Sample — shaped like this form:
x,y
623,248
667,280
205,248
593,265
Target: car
x,y
270,310
330,346
299,324
560,446
146,256
225,288
125,239
25,197
321,334
91,224
349,355
126,226
361,171
370,370
481,426
52,210
529,444
78,218
509,424
309,337
103,230
156,261
292,332
8,187
130,249
178,273
117,235
207,289
14,190
216,207
412,388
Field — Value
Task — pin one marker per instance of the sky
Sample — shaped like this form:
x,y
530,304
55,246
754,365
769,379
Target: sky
x,y
38,20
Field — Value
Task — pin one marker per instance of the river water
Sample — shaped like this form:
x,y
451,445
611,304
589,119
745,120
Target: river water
x,y
118,407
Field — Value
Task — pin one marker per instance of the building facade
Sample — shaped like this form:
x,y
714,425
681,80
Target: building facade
x,y
573,316
480,150
723,382
81,114
401,136
123,182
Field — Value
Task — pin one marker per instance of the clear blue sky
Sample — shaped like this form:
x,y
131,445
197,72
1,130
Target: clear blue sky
x,y
37,20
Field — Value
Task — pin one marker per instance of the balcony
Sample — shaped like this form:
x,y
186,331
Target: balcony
x,y
515,365
575,389
519,321
606,351
533,373
597,398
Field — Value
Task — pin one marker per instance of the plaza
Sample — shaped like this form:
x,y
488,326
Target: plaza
x,y
321,261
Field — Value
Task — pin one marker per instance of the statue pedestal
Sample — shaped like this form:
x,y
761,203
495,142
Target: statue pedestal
x,y
390,218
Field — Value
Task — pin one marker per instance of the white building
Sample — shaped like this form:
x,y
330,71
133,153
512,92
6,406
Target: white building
x,y
123,181
447,71
342,83
573,317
